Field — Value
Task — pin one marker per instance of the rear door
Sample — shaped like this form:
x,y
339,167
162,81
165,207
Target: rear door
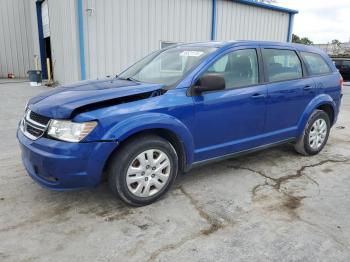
x,y
288,92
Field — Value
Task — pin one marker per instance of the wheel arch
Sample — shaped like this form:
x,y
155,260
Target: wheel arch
x,y
164,126
322,102
329,111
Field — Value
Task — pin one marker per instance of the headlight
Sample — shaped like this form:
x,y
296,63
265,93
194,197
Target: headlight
x,y
69,131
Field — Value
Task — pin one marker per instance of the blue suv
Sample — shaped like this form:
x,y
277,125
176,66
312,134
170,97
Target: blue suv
x,y
178,108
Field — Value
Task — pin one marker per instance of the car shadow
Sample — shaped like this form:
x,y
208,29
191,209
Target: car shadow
x,y
102,204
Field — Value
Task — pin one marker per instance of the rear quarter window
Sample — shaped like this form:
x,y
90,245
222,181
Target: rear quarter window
x,y
315,64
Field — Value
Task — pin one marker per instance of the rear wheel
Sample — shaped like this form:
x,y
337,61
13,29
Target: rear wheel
x,y
315,135
143,170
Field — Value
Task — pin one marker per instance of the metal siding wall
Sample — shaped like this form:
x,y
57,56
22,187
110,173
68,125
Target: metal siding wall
x,y
17,40
64,40
32,30
118,33
243,22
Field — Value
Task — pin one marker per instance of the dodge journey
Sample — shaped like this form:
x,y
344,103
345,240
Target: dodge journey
x,y
178,108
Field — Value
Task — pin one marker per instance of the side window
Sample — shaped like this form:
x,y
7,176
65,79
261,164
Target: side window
x,y
282,65
239,68
219,66
315,63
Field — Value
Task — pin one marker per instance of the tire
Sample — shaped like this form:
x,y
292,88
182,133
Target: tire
x,y
310,144
139,176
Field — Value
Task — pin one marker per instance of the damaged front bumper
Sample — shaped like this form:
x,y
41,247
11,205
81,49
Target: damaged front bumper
x,y
58,165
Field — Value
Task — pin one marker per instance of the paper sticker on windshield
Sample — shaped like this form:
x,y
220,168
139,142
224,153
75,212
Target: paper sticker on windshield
x,y
191,53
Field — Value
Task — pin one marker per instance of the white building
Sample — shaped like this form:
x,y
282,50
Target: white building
x,y
341,49
93,38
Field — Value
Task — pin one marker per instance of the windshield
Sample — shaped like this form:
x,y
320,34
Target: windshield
x,y
166,66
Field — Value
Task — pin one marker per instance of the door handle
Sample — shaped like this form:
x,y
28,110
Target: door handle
x,y
256,96
307,87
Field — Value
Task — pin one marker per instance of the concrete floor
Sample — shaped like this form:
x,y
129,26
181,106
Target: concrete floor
x,y
274,205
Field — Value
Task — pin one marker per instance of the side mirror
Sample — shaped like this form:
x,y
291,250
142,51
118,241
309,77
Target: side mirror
x,y
210,82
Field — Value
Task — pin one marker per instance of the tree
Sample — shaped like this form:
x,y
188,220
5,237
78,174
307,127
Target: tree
x,y
336,42
295,38
336,46
303,40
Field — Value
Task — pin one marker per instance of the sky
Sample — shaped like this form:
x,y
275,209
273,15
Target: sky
x,y
321,20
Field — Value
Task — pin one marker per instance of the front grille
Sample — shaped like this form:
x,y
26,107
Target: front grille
x,y
34,131
34,125
39,118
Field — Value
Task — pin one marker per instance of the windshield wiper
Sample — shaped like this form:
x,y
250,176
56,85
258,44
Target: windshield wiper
x,y
128,79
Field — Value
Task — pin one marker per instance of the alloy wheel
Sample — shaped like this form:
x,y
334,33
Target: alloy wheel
x,y
318,133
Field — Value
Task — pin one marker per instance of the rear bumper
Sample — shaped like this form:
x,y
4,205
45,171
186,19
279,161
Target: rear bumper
x,y
337,109
63,166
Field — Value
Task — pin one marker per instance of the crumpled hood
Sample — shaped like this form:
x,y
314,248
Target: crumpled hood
x,y
60,102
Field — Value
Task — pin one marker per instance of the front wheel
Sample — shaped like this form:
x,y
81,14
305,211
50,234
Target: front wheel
x,y
143,170
315,134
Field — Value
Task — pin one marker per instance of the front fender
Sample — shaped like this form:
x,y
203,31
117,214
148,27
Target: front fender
x,y
138,123
319,100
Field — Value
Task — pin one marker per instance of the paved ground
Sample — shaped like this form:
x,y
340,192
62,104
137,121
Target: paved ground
x,y
269,206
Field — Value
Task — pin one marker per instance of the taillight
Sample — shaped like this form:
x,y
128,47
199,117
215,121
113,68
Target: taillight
x,y
341,82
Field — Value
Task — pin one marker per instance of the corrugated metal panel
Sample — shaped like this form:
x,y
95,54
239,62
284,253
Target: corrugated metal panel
x,y
117,33
120,32
243,22
64,40
17,40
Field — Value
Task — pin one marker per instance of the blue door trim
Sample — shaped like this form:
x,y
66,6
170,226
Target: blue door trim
x,y
81,39
290,27
213,21
41,40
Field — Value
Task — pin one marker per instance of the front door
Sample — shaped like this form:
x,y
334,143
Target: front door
x,y
230,120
